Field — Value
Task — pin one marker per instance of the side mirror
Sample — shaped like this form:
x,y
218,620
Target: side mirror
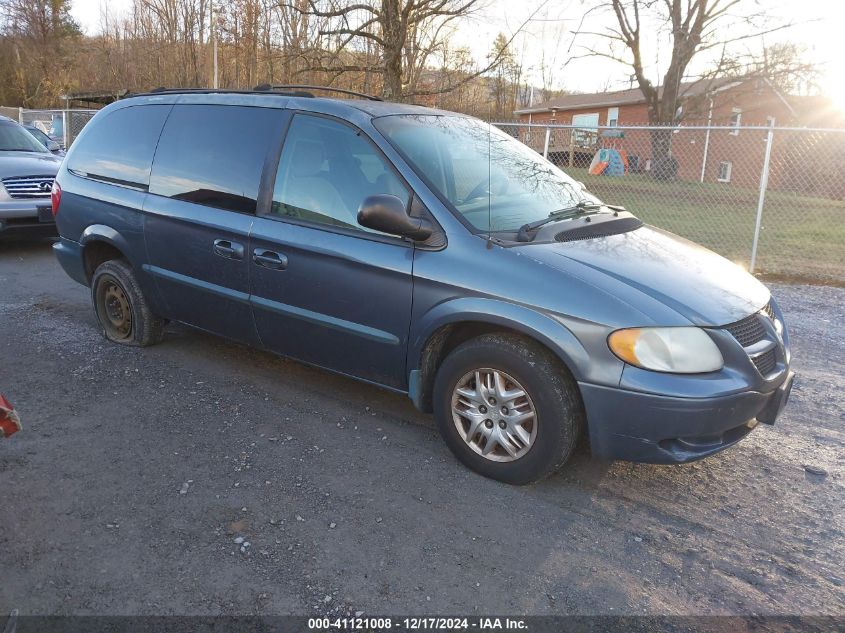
x,y
387,214
53,146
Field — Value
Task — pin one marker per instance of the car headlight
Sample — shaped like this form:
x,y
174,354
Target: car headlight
x,y
681,350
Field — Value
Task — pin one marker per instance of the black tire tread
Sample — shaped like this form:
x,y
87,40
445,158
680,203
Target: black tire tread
x,y
147,327
555,379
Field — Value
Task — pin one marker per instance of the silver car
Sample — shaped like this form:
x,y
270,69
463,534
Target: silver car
x,y
27,170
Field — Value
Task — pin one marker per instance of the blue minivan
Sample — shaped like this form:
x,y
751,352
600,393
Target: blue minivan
x,y
425,252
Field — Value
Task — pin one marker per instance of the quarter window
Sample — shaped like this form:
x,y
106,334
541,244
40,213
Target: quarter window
x,y
118,146
213,155
325,172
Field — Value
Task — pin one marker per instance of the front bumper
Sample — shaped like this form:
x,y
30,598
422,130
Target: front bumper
x,y
27,215
646,427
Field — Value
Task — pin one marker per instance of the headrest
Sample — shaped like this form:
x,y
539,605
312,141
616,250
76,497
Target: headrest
x,y
308,158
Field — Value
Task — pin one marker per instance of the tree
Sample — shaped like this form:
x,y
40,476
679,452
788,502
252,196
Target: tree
x,y
406,35
36,34
694,26
506,77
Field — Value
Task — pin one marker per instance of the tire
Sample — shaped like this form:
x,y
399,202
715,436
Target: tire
x,y
546,441
122,311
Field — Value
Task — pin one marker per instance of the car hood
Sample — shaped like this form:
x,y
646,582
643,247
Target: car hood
x,y
28,164
698,284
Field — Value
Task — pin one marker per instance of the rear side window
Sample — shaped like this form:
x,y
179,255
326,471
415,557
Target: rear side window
x,y
119,147
213,155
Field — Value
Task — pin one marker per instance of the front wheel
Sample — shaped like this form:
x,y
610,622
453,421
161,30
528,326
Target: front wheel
x,y
507,408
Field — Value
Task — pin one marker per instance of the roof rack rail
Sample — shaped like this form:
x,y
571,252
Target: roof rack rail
x,y
273,87
165,90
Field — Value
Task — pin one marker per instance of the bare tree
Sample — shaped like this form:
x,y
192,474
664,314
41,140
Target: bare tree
x,y
406,34
36,37
694,26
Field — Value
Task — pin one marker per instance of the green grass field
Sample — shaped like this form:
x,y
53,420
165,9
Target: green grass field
x,y
801,237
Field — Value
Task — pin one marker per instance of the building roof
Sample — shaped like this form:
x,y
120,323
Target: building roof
x,y
627,97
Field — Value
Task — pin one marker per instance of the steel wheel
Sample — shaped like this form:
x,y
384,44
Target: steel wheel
x,y
494,415
116,309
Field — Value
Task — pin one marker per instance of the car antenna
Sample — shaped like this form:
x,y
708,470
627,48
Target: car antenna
x,y
489,190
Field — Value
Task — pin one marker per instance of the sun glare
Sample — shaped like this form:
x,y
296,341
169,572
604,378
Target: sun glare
x,y
833,84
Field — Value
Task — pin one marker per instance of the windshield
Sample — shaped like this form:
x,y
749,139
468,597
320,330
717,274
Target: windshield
x,y
13,138
495,182
39,135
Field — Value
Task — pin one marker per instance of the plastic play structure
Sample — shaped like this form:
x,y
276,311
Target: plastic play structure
x,y
609,160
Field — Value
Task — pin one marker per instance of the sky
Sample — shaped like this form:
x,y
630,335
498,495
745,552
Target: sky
x,y
549,40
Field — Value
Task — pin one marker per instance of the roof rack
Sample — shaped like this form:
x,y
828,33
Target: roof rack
x,y
294,87
165,90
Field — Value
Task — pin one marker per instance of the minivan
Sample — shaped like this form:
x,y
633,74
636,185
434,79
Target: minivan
x,y
425,252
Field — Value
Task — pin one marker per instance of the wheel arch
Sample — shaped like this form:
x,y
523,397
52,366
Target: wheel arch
x,y
101,243
451,323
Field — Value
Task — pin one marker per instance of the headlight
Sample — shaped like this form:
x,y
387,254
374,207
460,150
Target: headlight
x,y
681,350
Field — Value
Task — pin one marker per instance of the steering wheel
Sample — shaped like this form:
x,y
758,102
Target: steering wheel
x,y
483,189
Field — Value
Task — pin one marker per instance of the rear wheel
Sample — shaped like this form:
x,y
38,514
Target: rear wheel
x,y
123,312
507,408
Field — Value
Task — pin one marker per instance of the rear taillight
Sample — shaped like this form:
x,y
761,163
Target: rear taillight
x,y
56,197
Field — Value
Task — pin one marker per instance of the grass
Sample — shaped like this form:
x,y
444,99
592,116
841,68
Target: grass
x,y
802,237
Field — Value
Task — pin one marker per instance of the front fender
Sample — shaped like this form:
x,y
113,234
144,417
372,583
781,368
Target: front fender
x,y
562,335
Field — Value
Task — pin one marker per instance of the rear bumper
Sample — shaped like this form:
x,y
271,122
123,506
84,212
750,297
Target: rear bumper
x,y
644,427
69,254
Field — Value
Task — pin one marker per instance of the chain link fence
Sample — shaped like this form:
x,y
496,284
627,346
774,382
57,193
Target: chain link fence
x,y
63,126
771,199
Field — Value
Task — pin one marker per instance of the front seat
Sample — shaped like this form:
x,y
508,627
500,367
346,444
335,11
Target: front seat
x,y
308,186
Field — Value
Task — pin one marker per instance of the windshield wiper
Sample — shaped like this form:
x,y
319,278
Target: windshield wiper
x,y
562,214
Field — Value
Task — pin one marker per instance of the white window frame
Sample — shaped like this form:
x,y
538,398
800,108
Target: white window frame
x,y
736,112
727,177
613,117
585,127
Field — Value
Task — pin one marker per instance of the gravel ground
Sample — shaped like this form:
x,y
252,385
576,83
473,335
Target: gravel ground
x,y
139,471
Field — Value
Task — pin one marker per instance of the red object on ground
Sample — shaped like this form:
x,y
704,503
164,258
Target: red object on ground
x,y
9,421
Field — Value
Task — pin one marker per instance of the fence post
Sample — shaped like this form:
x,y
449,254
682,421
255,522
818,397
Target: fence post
x,y
546,144
764,182
20,115
64,128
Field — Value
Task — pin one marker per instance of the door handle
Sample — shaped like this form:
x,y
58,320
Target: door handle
x,y
269,259
230,250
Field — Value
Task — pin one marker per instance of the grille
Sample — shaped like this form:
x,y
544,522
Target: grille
x,y
25,187
766,363
603,229
769,311
748,331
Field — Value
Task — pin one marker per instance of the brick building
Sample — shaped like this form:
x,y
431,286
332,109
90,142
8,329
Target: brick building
x,y
716,156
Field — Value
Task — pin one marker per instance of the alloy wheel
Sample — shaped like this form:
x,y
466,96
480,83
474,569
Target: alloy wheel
x,y
494,415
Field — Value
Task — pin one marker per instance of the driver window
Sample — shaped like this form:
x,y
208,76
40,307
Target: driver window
x,y
325,172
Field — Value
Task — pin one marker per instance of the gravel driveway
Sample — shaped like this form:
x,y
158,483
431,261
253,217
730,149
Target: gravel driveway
x,y
203,477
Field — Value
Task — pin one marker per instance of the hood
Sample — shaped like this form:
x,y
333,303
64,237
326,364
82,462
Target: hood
x,y
28,164
698,284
